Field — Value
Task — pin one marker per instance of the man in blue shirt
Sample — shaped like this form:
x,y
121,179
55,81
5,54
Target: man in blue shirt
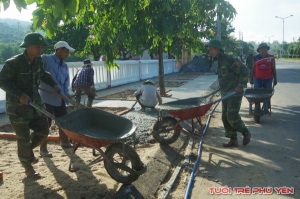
x,y
55,65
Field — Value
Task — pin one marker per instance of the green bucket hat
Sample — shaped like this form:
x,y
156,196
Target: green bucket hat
x,y
215,43
262,45
33,39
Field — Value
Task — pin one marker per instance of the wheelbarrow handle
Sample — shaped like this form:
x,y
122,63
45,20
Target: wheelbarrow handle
x,y
225,97
212,93
41,109
60,95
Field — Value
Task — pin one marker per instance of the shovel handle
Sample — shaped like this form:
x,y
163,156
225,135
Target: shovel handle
x,y
59,94
75,104
133,105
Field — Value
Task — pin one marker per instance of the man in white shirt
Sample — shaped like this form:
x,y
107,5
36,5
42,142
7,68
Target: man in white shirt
x,y
147,95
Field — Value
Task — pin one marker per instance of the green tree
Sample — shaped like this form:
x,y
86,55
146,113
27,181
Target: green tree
x,y
158,25
231,46
76,37
297,48
7,50
171,25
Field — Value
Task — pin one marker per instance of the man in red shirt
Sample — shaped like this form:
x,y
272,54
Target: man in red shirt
x,y
264,71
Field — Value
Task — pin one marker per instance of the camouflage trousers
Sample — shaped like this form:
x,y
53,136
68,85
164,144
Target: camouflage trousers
x,y
26,141
231,119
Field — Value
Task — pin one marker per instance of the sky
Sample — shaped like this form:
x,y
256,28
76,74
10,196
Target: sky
x,y
255,19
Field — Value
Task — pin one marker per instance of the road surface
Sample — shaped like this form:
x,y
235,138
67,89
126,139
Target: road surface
x,y
272,159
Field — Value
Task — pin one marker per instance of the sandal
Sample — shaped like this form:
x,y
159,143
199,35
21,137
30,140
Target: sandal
x,y
46,154
31,173
247,137
231,143
66,144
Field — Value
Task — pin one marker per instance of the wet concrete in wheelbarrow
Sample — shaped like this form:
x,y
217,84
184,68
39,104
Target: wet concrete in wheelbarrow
x,y
159,159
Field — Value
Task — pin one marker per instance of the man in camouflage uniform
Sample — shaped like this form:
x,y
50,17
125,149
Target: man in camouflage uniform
x,y
20,78
233,76
249,61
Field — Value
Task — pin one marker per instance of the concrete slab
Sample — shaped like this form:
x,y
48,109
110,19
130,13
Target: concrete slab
x,y
193,88
158,168
166,157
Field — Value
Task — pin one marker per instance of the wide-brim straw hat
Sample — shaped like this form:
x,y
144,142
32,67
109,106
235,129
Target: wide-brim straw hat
x,y
148,81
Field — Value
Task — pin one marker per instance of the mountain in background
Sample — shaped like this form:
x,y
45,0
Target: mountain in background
x,y
13,30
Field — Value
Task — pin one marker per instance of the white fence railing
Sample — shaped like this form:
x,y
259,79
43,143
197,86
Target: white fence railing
x,y
130,71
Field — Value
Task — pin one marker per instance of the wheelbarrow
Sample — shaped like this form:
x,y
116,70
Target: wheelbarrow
x,y
257,96
167,128
96,128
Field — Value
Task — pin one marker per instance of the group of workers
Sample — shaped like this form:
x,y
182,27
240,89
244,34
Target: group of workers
x,y
33,77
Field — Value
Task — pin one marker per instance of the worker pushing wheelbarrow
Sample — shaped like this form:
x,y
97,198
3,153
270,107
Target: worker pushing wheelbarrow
x,y
257,96
96,129
264,78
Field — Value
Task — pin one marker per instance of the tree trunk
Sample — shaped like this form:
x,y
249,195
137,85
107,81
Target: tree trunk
x,y
161,82
95,53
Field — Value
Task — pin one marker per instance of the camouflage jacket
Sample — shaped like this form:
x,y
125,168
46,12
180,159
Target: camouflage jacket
x,y
231,73
18,76
249,61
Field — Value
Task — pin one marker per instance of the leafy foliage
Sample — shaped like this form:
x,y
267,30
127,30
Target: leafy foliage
x,y
9,50
293,49
121,25
76,37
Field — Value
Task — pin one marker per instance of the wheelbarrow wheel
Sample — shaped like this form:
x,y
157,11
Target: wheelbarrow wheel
x,y
164,132
125,165
256,114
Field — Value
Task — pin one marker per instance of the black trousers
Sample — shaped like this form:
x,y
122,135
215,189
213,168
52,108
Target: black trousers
x,y
58,111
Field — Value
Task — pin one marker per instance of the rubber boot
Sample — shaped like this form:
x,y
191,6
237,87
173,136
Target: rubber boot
x,y
247,138
64,140
232,143
44,151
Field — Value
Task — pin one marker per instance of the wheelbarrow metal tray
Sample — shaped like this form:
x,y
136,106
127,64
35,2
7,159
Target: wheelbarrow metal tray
x,y
258,95
92,127
187,108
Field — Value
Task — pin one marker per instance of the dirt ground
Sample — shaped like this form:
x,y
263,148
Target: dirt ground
x,y
183,77
90,178
123,95
172,83
180,186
